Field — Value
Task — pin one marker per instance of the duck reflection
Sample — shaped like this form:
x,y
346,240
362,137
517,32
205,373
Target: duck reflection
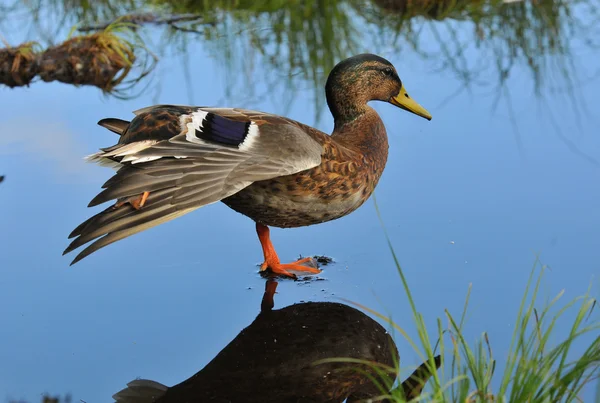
x,y
275,359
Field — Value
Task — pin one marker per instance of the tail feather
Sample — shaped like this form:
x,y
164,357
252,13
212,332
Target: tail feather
x,y
106,215
118,235
111,214
132,220
99,159
141,391
117,126
112,224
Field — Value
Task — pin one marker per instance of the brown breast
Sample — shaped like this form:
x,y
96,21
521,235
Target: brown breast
x,y
352,163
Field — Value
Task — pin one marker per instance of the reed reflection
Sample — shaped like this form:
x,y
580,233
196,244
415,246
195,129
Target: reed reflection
x,y
295,42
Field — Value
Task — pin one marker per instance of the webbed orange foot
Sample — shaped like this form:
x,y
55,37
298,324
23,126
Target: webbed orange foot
x,y
285,268
272,262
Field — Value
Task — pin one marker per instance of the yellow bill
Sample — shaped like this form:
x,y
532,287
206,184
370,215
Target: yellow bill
x,y
402,100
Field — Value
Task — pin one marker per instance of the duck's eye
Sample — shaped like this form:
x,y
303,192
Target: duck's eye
x,y
388,72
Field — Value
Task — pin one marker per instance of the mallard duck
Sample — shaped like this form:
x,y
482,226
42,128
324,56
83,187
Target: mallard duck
x,y
275,359
171,160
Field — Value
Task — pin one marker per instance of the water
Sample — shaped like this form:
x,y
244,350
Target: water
x,y
501,173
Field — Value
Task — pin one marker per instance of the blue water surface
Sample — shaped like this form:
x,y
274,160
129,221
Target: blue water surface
x,y
469,198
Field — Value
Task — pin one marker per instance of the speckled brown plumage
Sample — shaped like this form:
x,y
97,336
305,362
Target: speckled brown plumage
x,y
160,124
344,180
275,170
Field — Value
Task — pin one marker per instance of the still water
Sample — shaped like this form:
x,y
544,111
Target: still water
x,y
508,168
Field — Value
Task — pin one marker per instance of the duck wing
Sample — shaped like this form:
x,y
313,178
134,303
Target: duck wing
x,y
189,157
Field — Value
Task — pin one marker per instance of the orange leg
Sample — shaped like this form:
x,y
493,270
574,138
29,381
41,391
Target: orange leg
x,y
268,301
137,202
272,260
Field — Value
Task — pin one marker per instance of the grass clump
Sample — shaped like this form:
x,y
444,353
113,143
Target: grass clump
x,y
18,64
102,59
541,364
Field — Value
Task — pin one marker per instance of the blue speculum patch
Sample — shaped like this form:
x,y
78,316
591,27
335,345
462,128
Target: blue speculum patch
x,y
221,130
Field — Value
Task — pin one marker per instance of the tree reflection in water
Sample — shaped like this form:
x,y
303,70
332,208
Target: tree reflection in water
x,y
297,42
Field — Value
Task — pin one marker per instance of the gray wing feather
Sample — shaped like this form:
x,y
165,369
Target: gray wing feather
x,y
187,175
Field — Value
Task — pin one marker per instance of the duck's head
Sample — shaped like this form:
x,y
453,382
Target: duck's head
x,y
366,77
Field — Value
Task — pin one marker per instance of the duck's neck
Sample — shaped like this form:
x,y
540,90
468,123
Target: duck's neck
x,y
345,109
364,133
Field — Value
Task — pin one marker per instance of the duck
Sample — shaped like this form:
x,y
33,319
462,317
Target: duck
x,y
173,159
297,353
